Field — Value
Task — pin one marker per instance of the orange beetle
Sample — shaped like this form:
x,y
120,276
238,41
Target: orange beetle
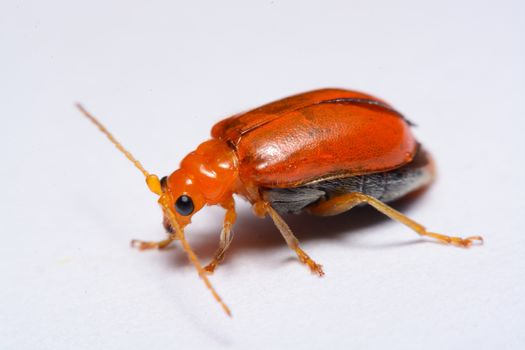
x,y
323,152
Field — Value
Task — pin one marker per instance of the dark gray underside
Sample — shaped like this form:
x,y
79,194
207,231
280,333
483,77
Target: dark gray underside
x,y
387,186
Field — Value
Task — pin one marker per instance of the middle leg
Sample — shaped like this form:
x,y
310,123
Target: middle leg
x,y
263,208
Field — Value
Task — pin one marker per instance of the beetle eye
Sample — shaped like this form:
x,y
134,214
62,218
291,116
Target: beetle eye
x,y
184,205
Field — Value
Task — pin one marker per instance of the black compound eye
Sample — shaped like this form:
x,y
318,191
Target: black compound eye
x,y
184,205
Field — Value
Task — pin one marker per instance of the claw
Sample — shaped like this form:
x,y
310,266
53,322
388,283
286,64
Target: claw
x,y
314,267
467,242
210,268
142,245
145,245
457,241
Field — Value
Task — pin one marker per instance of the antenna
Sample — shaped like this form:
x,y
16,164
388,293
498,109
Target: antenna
x,y
154,185
151,180
191,255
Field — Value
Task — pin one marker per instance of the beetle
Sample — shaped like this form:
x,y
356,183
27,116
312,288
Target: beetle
x,y
322,152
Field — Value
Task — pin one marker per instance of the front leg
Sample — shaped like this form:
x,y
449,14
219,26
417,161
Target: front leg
x,y
147,245
226,236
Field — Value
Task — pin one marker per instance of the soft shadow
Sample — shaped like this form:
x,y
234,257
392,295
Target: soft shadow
x,y
252,233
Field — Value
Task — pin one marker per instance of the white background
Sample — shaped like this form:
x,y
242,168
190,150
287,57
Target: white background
x,y
160,75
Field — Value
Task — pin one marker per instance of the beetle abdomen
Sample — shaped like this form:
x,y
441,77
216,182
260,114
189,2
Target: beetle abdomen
x,y
385,186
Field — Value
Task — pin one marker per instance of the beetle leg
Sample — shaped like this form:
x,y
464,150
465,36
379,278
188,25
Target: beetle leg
x,y
289,237
144,245
225,238
346,202
224,243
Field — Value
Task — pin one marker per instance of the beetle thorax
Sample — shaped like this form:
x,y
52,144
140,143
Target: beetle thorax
x,y
208,172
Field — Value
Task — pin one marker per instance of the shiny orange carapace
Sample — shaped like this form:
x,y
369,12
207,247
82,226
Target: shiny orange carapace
x,y
322,152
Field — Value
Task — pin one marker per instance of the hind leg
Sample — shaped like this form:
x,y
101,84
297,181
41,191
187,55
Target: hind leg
x,y
348,201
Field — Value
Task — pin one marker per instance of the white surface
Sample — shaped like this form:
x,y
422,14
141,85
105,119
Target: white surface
x,y
159,75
